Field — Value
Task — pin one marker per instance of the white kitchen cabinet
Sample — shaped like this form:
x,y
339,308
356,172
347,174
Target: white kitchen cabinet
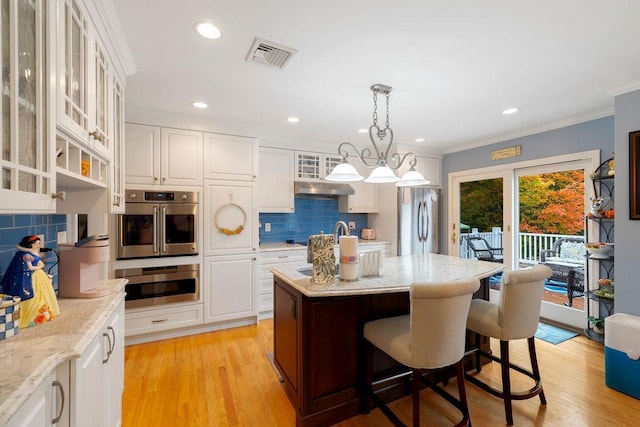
x,y
145,321
230,157
275,180
230,219
314,166
43,406
116,184
267,261
28,177
366,196
229,287
162,156
429,167
97,377
84,73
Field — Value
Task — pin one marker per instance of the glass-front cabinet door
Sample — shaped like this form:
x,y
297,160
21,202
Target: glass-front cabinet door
x,y
73,43
117,163
26,160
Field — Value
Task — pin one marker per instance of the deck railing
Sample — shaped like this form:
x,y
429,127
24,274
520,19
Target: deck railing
x,y
529,244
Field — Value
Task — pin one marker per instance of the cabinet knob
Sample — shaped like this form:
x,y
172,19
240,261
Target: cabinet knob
x,y
155,178
164,179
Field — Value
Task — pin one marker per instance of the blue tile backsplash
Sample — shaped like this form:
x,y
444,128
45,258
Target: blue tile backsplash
x,y
312,216
14,227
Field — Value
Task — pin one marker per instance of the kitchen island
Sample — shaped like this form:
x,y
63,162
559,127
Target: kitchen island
x,y
318,344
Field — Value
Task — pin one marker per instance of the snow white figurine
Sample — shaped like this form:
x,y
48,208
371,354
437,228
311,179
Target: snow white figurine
x,y
25,278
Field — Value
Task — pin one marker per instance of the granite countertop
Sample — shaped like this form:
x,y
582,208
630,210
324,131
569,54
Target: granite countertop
x,y
279,246
397,275
35,352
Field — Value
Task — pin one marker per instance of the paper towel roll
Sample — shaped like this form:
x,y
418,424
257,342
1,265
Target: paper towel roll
x,y
348,258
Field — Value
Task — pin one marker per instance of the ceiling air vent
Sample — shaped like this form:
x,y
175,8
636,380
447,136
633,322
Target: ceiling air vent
x,y
270,53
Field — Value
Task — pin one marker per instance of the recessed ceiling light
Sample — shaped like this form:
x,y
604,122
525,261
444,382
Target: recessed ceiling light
x,y
510,111
293,119
207,30
363,130
419,139
199,104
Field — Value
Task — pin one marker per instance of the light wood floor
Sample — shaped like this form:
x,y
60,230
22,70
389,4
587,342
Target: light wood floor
x,y
224,379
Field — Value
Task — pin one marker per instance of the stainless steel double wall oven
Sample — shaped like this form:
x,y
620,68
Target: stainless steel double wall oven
x,y
159,224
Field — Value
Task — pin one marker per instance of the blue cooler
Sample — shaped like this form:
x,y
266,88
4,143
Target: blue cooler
x,y
622,353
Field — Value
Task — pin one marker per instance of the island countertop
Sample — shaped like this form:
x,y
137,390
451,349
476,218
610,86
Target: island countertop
x,y
397,275
34,352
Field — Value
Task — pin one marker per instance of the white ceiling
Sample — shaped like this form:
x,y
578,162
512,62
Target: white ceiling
x,y
454,66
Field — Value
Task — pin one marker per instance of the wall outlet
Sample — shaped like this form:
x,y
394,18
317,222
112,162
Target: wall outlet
x,y
267,227
352,225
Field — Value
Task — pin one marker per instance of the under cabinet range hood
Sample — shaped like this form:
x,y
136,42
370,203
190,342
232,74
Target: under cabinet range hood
x,y
322,189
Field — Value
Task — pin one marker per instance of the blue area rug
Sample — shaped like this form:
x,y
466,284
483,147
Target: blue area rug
x,y
553,334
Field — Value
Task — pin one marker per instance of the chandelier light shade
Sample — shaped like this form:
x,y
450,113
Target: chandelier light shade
x,y
378,158
344,172
412,178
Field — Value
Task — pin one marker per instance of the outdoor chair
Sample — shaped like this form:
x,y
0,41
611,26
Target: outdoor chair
x,y
483,251
566,261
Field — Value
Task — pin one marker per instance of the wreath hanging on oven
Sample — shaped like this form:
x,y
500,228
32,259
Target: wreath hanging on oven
x,y
229,231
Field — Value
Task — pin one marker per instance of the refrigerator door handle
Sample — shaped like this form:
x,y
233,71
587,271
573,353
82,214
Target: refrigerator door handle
x,y
421,219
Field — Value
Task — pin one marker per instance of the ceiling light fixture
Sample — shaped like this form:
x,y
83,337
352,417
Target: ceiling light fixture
x,y
379,160
293,119
207,30
508,111
199,104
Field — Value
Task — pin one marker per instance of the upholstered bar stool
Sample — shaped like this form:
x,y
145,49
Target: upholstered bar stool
x,y
516,316
431,336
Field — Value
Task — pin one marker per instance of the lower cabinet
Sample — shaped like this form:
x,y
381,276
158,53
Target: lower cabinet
x,y
145,321
269,260
96,379
44,407
229,287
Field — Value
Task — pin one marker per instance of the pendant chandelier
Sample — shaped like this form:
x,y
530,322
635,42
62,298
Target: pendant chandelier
x,y
377,159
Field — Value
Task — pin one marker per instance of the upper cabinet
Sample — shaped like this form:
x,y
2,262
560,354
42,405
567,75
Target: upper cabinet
x,y
275,180
61,61
365,198
163,156
429,167
230,157
84,70
314,166
28,177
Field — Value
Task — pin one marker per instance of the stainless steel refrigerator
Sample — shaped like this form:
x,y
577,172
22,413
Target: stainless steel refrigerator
x,y
418,220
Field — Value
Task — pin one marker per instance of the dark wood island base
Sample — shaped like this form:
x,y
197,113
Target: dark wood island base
x,y
320,351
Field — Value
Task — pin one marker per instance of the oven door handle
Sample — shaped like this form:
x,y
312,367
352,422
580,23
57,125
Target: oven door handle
x,y
163,228
155,229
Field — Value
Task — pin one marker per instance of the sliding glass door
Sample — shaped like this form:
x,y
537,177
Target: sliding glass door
x,y
534,212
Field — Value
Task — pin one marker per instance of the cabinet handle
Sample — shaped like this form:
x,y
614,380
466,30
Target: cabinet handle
x,y
283,256
95,135
104,334
293,307
113,343
159,320
58,385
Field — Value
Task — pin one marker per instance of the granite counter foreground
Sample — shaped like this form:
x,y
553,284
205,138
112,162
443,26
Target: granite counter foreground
x,y
35,352
397,275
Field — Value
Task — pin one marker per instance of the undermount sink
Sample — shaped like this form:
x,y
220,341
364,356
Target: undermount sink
x,y
307,271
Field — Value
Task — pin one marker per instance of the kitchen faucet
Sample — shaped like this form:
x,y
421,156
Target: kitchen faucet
x,y
336,229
